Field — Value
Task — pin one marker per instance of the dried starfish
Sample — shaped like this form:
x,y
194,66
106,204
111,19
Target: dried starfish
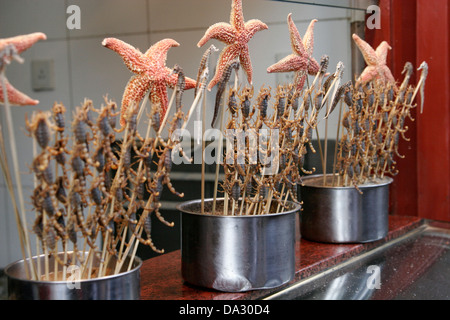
x,y
236,35
150,71
301,60
376,62
10,48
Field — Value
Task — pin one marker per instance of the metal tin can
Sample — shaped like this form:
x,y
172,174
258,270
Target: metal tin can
x,y
237,253
343,214
122,286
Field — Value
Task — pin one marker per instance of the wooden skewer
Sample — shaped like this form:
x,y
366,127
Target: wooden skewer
x,y
143,217
336,144
325,155
22,220
194,104
203,156
136,245
219,152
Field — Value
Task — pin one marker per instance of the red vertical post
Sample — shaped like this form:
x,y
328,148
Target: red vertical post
x,y
419,31
433,125
403,42
398,28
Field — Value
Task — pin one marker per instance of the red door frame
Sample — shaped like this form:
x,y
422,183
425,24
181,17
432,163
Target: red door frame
x,y
418,30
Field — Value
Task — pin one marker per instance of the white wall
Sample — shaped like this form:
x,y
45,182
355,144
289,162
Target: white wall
x,y
83,68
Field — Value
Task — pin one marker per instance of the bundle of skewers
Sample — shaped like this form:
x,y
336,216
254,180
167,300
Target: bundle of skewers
x,y
372,120
267,138
368,135
98,185
373,126
103,188
90,187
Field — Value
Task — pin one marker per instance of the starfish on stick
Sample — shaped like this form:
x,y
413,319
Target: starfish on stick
x,y
150,71
376,62
10,48
301,60
236,36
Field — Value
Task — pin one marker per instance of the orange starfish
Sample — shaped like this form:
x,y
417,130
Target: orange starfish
x,y
236,35
376,62
150,71
10,48
301,60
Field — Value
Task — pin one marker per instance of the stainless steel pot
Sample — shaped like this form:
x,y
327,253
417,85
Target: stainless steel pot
x,y
123,286
342,214
236,253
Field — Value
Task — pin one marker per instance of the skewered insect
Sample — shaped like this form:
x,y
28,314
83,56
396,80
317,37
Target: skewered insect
x,y
39,127
246,95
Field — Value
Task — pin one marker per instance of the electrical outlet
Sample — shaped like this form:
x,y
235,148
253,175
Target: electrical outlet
x,y
284,77
42,75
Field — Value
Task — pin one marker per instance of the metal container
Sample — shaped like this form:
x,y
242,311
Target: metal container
x,y
343,214
236,253
123,286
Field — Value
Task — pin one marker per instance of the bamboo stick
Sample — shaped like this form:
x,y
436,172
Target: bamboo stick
x,y
203,156
219,152
337,142
325,152
10,126
144,216
10,187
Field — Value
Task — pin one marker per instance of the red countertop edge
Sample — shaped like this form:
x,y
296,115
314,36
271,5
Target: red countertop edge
x,y
161,276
